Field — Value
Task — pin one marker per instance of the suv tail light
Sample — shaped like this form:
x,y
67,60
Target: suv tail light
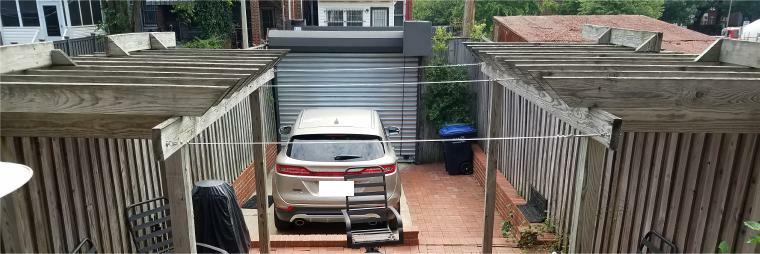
x,y
292,170
301,171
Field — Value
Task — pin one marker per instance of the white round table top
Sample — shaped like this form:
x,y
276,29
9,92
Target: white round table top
x,y
13,176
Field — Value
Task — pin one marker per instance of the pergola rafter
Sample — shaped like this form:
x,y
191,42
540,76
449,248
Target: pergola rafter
x,y
622,83
143,89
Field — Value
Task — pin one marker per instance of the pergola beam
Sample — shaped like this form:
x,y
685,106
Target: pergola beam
x,y
650,74
246,60
688,120
662,92
631,57
608,61
136,67
176,132
630,67
530,49
78,125
121,79
170,63
185,56
108,98
130,73
587,120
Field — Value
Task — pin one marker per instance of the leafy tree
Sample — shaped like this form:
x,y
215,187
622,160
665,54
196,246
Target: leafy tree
x,y
682,12
214,19
651,8
564,7
439,13
447,102
117,19
485,10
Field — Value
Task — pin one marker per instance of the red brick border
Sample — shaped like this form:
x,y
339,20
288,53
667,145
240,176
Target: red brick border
x,y
507,198
245,184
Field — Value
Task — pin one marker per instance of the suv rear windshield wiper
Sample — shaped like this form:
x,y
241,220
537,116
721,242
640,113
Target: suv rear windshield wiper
x,y
346,157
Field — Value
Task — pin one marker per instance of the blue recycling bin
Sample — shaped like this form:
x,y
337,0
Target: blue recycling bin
x,y
457,154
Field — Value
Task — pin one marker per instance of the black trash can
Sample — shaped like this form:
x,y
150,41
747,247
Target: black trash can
x,y
218,219
457,154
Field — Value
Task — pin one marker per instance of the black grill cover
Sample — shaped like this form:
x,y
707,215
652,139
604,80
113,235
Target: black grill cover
x,y
218,219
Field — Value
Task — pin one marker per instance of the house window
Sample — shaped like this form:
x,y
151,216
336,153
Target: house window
x,y
9,13
354,18
29,15
97,16
398,13
85,12
345,18
334,18
76,19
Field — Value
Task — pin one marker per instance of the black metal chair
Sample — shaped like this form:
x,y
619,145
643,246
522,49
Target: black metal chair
x,y
648,244
370,222
149,224
85,246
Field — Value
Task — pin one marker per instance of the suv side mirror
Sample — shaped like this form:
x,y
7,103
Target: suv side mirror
x,y
285,130
393,130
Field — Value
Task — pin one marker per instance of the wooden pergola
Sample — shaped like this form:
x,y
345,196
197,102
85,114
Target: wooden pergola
x,y
143,89
622,82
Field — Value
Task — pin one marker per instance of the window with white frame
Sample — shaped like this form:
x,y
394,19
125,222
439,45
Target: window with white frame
x,y
85,12
25,15
334,18
398,13
345,18
354,18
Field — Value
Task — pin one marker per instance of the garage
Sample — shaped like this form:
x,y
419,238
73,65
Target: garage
x,y
367,69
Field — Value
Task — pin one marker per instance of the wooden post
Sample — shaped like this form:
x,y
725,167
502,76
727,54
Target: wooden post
x,y
179,186
580,175
496,99
68,45
469,17
261,172
243,25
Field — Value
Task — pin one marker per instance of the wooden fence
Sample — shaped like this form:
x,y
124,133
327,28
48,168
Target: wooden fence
x,y
81,186
696,189
79,190
212,158
82,46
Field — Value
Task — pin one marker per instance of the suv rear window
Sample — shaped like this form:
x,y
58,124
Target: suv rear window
x,y
344,152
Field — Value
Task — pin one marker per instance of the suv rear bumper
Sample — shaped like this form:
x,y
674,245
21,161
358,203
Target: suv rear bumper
x,y
318,214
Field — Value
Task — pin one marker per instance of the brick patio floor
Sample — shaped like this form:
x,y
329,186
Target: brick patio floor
x,y
447,210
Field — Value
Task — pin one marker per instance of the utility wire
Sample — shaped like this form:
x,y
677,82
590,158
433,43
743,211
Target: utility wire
x,y
378,68
397,141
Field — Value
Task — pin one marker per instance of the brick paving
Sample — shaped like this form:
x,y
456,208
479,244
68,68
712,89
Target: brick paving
x,y
447,211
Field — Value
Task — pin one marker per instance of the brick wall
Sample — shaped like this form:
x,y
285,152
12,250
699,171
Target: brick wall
x,y
245,184
507,198
255,12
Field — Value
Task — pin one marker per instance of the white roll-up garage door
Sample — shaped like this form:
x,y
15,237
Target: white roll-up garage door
x,y
301,86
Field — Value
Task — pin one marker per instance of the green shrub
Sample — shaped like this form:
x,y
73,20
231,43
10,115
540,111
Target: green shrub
x,y
446,102
506,227
528,238
209,43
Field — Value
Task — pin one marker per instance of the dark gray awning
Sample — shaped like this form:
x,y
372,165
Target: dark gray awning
x,y
337,41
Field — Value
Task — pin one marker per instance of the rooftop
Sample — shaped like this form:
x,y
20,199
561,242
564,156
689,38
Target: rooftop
x,y
565,28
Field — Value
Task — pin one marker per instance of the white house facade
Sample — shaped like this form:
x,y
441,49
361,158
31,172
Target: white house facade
x,y
27,21
378,13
